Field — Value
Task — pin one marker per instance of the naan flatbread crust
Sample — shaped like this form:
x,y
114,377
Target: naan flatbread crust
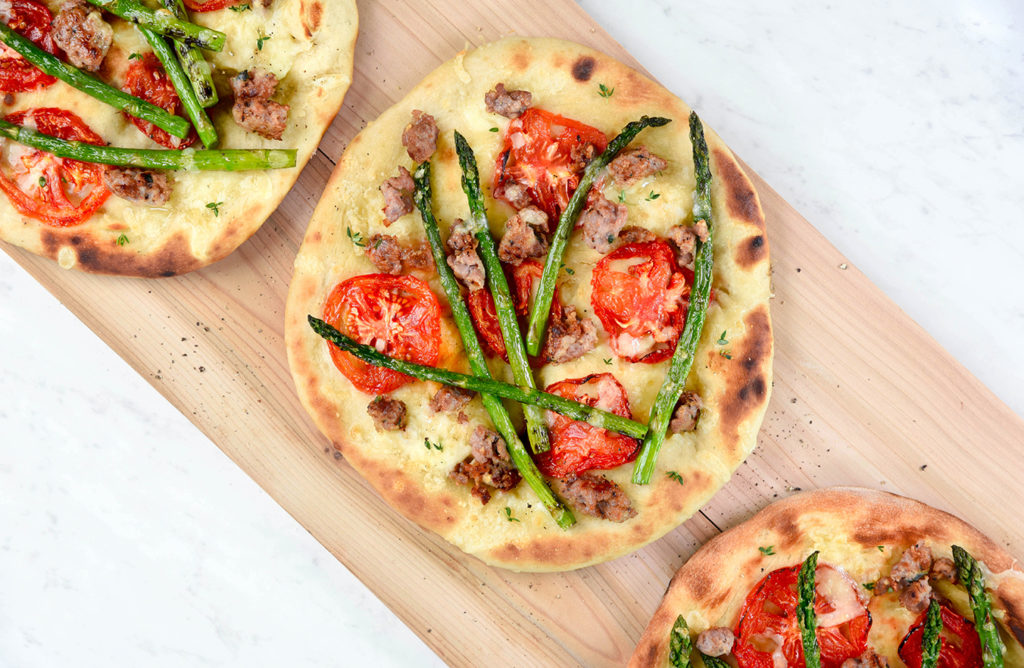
x,y
564,78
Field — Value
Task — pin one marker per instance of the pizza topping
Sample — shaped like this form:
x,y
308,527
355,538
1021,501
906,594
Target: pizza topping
x,y
253,109
524,236
517,195
577,446
508,103
388,414
869,659
717,641
463,258
943,569
545,154
768,633
593,494
146,79
959,645
79,29
391,257
213,5
687,412
634,234
141,186
916,595
601,221
31,20
450,399
569,337
488,465
684,239
397,192
912,565
640,297
635,164
397,315
420,136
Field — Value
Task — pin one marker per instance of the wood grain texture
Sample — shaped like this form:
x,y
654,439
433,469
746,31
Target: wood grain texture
x,y
862,395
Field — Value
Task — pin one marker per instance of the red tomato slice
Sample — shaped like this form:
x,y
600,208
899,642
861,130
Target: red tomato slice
x,y
525,279
58,191
397,315
31,20
576,446
539,153
768,620
959,645
640,296
147,79
210,5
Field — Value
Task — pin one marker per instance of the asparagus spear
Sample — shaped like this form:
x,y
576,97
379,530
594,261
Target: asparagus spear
x,y
53,66
499,416
204,128
228,160
536,427
192,61
524,395
680,646
165,23
686,348
805,611
930,637
969,572
546,290
713,661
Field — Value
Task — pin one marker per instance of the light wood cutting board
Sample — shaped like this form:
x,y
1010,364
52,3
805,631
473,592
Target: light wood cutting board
x,y
861,396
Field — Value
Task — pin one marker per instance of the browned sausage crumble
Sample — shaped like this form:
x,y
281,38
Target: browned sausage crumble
x,y
420,136
388,414
253,109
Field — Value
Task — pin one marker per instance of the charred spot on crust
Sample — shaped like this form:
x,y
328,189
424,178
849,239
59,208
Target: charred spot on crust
x,y
740,198
311,16
752,251
583,68
746,387
785,524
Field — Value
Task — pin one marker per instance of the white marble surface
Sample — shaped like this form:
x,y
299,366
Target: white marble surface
x,y
897,129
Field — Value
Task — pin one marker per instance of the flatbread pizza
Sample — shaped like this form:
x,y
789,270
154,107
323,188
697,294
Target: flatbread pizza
x,y
883,563
276,83
527,121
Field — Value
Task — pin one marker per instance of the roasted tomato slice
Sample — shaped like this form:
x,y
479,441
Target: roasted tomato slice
x,y
210,5
397,315
58,191
640,296
959,645
576,446
546,154
31,20
525,279
768,623
147,79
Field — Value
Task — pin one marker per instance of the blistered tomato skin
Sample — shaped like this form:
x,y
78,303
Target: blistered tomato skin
x,y
959,645
31,20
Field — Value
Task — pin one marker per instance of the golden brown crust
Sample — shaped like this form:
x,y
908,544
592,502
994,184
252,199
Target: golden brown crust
x,y
563,77
184,235
860,530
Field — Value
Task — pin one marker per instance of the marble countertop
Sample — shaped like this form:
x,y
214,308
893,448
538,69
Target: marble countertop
x,y
128,538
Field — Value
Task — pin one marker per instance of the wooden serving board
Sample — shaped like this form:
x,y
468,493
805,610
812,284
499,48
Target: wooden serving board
x,y
870,401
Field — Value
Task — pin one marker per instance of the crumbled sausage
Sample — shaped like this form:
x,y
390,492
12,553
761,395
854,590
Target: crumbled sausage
x,y
580,156
397,192
420,136
868,659
450,399
884,585
633,234
391,257
462,257
700,228
569,337
687,412
684,238
915,561
388,414
632,165
916,595
516,194
488,465
524,236
508,103
138,185
593,494
253,109
79,29
601,222
943,569
717,641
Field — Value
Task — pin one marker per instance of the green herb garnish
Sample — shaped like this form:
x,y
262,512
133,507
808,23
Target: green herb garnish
x,y
604,91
